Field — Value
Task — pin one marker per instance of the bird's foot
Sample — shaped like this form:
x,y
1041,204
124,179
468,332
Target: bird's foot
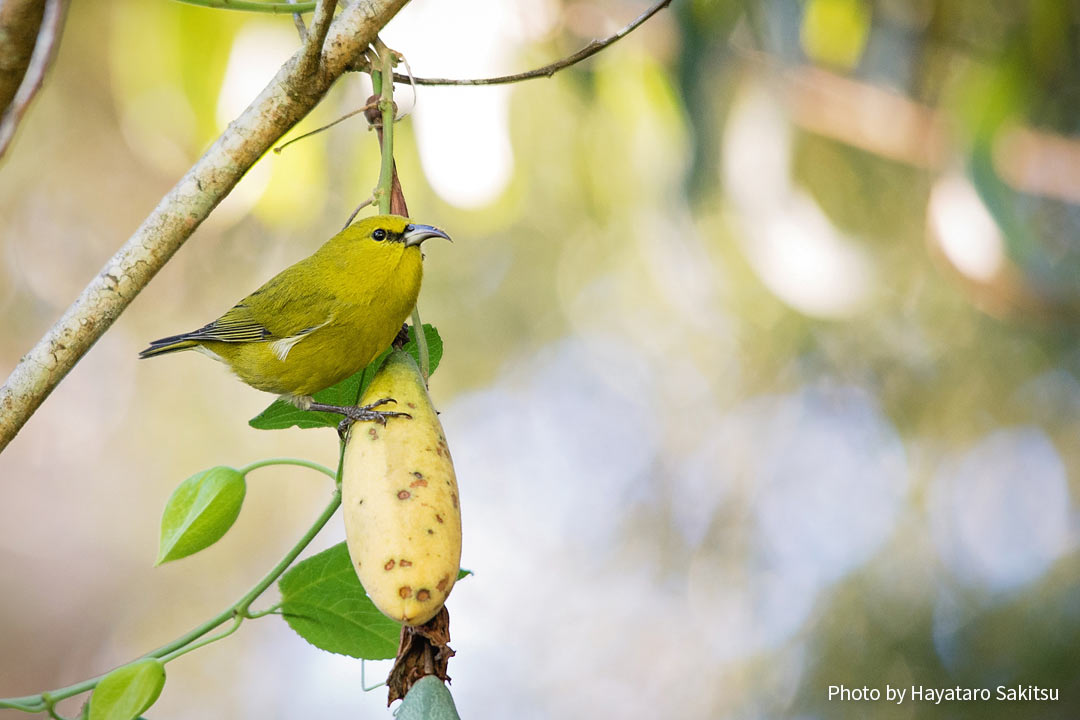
x,y
355,413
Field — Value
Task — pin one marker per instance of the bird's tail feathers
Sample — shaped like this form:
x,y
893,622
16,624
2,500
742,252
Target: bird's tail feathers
x,y
168,345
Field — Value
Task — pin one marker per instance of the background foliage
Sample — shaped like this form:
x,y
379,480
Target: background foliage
x,y
761,367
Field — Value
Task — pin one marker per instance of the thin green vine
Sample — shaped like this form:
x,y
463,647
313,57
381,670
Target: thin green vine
x,y
385,91
237,622
382,194
237,612
289,461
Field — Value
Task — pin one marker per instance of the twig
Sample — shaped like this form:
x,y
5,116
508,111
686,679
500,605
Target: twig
x,y
280,105
52,26
359,207
298,21
412,84
320,24
254,5
548,70
316,131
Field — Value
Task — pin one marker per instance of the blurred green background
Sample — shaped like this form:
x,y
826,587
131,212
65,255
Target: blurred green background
x,y
761,368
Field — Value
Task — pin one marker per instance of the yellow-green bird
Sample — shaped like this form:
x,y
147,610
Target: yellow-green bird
x,y
321,320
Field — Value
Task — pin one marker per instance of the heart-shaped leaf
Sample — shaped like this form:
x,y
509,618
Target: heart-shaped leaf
x,y
323,601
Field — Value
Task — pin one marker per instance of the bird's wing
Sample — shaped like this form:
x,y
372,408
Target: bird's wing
x,y
280,312
270,314
237,325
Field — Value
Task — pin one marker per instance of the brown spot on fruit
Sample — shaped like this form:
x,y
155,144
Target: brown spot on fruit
x,y
430,531
373,433
404,563
389,564
412,405
443,582
404,495
438,517
404,591
417,473
418,483
453,496
423,594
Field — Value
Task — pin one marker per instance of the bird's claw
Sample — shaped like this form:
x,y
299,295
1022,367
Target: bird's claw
x,y
367,413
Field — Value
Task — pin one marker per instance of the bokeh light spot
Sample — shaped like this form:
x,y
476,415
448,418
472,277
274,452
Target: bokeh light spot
x,y
968,235
1001,512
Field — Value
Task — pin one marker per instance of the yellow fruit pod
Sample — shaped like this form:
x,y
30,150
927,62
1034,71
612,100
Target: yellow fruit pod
x,y
400,499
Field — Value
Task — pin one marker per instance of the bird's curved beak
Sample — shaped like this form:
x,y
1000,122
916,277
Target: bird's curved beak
x,y
415,234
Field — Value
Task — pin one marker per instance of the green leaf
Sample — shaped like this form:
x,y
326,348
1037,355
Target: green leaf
x,y
200,511
435,346
282,414
428,699
324,603
128,691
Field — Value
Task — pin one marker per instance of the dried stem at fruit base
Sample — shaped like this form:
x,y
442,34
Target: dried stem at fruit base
x,y
424,650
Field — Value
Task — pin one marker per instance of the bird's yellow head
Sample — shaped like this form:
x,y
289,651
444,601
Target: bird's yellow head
x,y
391,229
377,244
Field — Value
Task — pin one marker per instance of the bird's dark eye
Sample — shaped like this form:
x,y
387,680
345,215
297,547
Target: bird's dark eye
x,y
379,234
